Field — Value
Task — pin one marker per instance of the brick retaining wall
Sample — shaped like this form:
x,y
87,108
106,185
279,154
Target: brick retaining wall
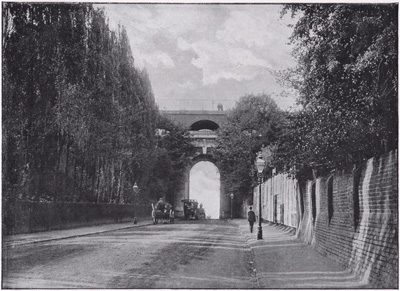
x,y
353,218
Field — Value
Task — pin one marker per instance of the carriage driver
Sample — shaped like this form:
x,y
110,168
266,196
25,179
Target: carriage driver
x,y
160,207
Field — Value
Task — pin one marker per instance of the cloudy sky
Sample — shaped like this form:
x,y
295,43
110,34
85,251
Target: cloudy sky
x,y
198,55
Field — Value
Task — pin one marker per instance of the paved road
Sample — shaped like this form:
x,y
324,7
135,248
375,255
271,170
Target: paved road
x,y
207,254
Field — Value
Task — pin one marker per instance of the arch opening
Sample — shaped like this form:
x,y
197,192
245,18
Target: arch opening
x,y
204,124
204,186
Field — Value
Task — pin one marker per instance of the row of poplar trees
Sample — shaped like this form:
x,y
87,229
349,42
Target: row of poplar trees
x,y
79,120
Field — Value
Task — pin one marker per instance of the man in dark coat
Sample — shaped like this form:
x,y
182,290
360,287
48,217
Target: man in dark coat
x,y
251,217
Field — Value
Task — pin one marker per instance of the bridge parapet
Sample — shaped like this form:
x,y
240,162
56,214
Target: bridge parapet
x,y
202,134
187,118
195,104
193,112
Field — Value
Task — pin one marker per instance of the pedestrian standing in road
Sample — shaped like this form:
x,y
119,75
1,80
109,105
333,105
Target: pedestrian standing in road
x,y
251,217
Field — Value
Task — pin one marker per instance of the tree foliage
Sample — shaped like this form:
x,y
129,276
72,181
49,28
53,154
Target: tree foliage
x,y
347,77
254,122
173,155
79,120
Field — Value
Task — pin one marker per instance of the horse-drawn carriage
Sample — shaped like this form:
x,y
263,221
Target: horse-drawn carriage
x,y
162,212
190,209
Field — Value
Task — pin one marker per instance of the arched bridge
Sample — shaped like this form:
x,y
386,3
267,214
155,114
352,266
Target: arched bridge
x,y
196,120
202,126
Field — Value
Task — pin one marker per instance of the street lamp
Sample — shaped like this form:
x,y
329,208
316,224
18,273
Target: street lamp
x,y
231,203
135,193
260,164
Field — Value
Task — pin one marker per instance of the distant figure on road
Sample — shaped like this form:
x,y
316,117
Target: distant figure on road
x,y
251,217
220,107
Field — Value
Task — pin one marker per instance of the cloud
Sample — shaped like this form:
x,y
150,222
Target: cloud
x,y
249,41
206,51
220,61
187,84
157,59
241,27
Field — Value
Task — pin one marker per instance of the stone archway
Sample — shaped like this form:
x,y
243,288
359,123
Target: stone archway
x,y
185,192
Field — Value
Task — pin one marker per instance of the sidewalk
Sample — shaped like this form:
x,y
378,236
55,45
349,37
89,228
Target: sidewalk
x,y
28,238
283,261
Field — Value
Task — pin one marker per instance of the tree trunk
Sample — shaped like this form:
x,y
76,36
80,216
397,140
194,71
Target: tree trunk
x,y
119,182
98,181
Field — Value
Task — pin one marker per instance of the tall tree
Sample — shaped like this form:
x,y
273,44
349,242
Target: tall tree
x,y
172,155
78,118
347,78
255,122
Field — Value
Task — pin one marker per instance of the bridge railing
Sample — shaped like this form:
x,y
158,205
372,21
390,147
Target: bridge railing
x,y
193,104
203,134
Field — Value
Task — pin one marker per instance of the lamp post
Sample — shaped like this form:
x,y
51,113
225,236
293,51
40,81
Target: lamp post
x,y
135,193
260,164
231,203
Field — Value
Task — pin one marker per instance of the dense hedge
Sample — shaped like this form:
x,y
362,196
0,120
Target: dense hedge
x,y
28,216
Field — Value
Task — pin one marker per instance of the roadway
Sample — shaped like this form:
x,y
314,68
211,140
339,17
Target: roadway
x,y
210,254
217,254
